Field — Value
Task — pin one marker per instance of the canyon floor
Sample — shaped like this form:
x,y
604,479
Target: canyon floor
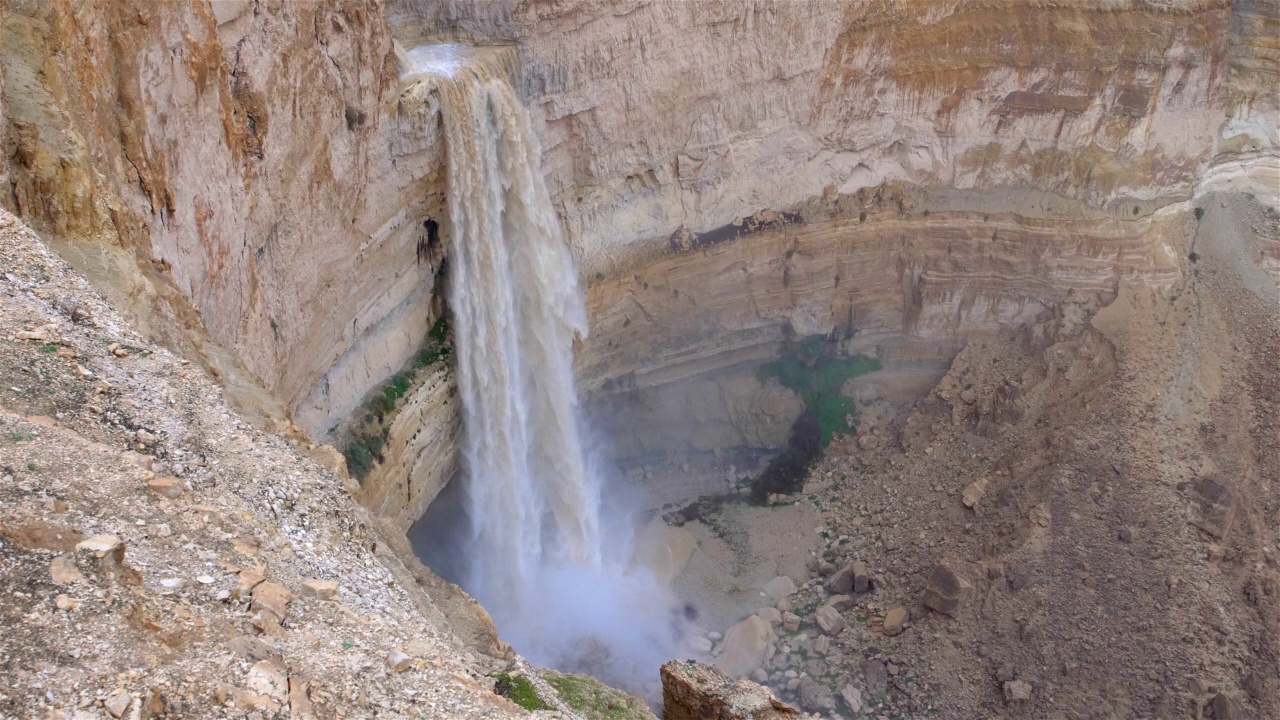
x,y
1100,486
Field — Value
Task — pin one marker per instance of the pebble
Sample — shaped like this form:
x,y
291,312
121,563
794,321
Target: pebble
x,y
320,589
398,661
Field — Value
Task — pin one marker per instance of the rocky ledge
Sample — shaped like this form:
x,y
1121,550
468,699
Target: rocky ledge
x,y
691,691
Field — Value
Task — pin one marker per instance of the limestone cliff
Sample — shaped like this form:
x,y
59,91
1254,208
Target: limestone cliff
x,y
254,171
888,278
667,116
252,155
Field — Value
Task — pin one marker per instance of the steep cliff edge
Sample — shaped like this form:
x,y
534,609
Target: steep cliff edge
x,y
252,156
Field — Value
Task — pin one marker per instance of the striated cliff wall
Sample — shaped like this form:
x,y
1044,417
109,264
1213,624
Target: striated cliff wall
x,y
661,117
902,274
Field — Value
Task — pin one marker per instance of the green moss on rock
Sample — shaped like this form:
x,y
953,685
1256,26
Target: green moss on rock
x,y
519,690
594,700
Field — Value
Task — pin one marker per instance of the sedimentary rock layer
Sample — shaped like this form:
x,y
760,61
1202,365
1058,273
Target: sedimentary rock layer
x,y
892,280
420,454
750,104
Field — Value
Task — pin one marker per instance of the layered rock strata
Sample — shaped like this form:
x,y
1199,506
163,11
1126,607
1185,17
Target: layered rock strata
x,y
420,454
878,270
754,104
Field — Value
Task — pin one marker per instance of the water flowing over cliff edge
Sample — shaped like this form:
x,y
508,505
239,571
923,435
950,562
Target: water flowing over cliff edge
x,y
539,553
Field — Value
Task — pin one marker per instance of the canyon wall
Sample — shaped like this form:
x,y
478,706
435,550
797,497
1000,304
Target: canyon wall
x,y
253,156
252,176
901,274
757,104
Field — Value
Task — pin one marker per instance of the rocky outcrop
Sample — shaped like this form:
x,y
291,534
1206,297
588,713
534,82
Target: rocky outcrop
x,y
420,454
1247,148
691,691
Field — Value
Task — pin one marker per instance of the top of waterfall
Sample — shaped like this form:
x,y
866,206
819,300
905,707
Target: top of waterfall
x,y
439,59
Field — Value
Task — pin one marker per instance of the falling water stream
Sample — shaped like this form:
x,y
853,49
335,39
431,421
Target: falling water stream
x,y
541,555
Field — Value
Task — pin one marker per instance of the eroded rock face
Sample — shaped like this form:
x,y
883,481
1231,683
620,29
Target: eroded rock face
x,y
675,343
420,453
282,200
691,691
748,106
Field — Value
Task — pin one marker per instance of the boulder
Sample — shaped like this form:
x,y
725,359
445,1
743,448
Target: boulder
x,y
790,622
770,615
1017,691
246,581
692,691
109,548
253,649
272,598
118,702
876,676
268,677
852,697
829,620
779,588
945,590
973,493
815,697
321,589
700,645
398,661
1225,707
854,577
840,602
664,549
894,621
300,698
165,486
744,647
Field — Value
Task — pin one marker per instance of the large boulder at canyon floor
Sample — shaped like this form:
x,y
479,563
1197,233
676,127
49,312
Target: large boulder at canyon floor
x,y
744,647
946,589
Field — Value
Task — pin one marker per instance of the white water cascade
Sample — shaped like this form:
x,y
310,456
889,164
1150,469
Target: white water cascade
x,y
559,587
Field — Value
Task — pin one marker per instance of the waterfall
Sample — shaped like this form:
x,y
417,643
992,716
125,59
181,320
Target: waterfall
x,y
537,557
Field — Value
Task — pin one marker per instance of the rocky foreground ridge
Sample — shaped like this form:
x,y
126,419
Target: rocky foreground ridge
x,y
164,558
